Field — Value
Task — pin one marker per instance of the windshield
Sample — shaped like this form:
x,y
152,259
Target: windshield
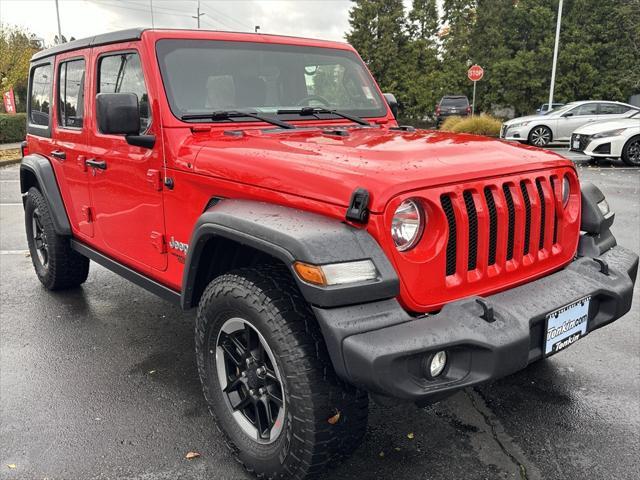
x,y
203,76
562,109
460,102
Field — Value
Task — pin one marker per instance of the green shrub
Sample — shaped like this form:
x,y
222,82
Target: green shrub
x,y
478,124
13,128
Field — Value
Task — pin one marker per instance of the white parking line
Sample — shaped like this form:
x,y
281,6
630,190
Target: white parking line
x,y
14,252
9,181
10,204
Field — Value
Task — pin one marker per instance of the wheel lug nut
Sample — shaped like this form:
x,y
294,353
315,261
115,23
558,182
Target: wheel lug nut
x,y
252,392
243,374
262,391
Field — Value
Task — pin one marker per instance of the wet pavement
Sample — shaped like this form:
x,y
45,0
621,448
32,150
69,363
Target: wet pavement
x,y
100,382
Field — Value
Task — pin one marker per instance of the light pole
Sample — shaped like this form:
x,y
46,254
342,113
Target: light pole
x,y
198,15
555,57
153,23
59,29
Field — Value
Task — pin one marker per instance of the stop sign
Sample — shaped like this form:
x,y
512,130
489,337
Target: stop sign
x,y
475,73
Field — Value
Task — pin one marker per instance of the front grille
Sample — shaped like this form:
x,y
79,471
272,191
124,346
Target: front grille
x,y
583,142
526,211
447,206
472,215
493,225
512,219
527,221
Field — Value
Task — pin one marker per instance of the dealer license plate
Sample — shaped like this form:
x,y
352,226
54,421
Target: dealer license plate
x,y
566,326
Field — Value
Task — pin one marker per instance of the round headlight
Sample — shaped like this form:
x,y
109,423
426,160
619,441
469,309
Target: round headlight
x,y
407,225
566,191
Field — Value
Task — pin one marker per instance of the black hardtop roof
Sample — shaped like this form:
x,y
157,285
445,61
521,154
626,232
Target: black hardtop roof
x,y
103,39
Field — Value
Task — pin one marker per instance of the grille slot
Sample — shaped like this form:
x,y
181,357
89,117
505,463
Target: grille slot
x,y
555,213
447,206
543,213
493,224
527,220
512,220
472,215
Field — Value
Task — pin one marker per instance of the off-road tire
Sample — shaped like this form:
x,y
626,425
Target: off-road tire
x,y
64,268
627,154
325,418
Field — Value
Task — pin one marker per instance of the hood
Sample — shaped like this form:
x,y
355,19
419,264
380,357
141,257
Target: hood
x,y
315,164
597,127
528,118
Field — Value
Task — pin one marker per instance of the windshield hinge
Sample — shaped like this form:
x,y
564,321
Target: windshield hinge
x,y
358,210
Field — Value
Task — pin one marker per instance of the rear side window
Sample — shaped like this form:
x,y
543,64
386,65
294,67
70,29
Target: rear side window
x,y
40,96
122,73
460,102
71,94
612,109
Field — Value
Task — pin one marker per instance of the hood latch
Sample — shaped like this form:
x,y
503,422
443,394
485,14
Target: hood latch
x,y
358,210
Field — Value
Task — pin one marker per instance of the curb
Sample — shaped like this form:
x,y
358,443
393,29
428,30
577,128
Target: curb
x,y
10,161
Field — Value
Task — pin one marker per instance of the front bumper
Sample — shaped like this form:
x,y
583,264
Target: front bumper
x,y
519,134
380,348
606,147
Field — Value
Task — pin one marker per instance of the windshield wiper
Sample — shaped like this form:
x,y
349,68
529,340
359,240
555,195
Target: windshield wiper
x,y
231,114
304,111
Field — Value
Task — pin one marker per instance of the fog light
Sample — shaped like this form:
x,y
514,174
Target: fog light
x,y
435,364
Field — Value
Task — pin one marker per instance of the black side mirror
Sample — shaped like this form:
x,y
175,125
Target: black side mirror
x,y
568,114
393,103
118,113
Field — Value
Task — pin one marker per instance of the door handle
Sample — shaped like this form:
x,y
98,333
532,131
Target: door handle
x,y
93,163
59,154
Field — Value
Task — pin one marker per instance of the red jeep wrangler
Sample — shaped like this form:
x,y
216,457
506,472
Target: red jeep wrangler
x,y
331,254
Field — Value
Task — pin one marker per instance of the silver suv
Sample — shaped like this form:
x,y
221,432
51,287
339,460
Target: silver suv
x,y
557,125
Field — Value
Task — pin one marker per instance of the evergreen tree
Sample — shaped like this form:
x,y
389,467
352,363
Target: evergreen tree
x,y
457,28
422,60
378,32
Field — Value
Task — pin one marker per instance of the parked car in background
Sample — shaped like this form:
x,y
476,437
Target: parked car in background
x,y
451,105
558,125
612,139
544,108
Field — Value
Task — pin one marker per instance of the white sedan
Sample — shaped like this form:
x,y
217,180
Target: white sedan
x,y
558,125
612,139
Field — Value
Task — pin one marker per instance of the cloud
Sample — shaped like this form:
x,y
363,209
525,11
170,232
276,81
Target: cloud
x,y
325,19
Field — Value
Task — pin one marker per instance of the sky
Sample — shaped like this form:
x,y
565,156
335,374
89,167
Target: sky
x,y
323,19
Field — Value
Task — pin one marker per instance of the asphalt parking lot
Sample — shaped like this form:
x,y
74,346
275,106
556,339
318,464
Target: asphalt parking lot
x,y
100,382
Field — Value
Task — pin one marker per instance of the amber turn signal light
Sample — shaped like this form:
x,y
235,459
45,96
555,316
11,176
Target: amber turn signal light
x,y
310,273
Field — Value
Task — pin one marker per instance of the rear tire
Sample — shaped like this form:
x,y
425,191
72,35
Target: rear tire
x,y
631,152
57,266
323,419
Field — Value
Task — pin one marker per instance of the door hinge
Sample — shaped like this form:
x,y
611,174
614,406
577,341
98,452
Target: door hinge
x,y
157,240
87,214
154,177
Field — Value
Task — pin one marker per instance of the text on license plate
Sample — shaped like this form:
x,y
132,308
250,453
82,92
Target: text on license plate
x,y
566,325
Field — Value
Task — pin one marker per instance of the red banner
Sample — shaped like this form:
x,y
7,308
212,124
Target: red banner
x,y
9,102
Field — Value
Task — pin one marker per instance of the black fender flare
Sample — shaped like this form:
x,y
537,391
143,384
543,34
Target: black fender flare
x,y
40,167
292,235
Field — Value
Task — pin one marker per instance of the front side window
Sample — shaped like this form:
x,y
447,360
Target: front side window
x,y
40,95
202,76
71,94
122,73
587,109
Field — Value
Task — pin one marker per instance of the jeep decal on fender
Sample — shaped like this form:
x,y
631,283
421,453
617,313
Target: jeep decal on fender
x,y
176,245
